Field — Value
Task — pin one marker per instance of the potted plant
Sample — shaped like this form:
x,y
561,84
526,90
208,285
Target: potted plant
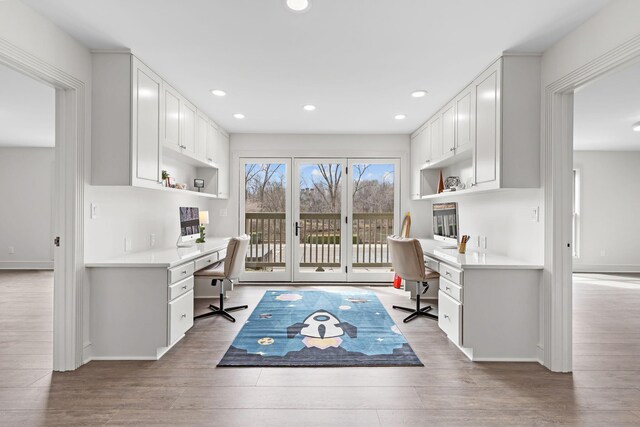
x,y
165,178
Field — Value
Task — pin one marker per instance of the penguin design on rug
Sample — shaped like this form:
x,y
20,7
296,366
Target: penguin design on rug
x,y
322,330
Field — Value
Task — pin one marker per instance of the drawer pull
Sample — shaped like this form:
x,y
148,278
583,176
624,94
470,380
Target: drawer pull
x,y
446,273
184,272
184,287
447,288
446,316
183,316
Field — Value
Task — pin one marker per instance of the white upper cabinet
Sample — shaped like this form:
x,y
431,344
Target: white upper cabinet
x,y
435,137
202,129
188,113
489,134
449,130
416,166
146,123
171,111
465,113
222,160
142,126
487,127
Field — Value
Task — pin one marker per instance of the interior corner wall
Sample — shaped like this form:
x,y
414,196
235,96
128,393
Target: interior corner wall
x,y
608,226
27,175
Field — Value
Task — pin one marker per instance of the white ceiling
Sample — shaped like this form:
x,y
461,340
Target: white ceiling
x,y
27,111
356,60
605,110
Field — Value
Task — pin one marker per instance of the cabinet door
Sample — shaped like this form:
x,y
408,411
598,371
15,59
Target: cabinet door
x,y
416,164
223,165
435,136
464,120
201,136
188,126
146,124
487,127
171,114
449,130
424,146
212,134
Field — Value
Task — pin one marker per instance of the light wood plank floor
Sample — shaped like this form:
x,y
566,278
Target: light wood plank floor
x,y
185,387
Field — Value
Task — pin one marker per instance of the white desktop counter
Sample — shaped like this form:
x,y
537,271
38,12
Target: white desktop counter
x,y
142,302
488,305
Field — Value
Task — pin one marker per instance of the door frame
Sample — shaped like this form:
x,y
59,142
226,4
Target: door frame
x,y
299,276
68,209
287,275
557,291
353,276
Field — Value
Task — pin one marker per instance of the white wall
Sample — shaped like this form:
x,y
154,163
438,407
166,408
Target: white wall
x,y
27,175
609,229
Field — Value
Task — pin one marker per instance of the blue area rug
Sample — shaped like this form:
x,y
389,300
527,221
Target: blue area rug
x,y
320,328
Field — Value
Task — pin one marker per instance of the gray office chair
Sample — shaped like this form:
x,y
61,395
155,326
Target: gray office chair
x,y
408,262
228,271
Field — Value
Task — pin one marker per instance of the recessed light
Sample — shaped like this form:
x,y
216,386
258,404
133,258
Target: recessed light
x,y
309,107
218,92
400,117
636,127
298,6
419,93
239,116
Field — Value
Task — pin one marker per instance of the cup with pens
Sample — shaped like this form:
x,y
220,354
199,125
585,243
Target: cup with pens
x,y
462,248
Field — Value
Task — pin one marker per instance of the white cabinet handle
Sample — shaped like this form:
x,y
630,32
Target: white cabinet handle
x,y
448,288
446,273
184,287
184,272
183,316
453,149
446,316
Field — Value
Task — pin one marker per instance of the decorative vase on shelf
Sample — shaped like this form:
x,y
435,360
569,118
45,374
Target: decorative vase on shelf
x,y
440,184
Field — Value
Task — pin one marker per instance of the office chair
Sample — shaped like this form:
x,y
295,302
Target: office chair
x,y
408,262
228,270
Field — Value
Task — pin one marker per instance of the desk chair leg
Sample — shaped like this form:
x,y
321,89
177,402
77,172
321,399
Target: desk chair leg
x,y
221,311
418,311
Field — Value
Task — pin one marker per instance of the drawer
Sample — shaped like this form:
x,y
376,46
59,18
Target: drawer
x,y
206,261
181,287
432,264
180,316
451,273
450,317
182,272
222,254
451,289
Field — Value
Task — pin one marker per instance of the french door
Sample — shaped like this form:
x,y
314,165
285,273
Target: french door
x,y
319,219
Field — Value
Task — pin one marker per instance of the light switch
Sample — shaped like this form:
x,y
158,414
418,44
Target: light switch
x,y
535,214
127,244
94,211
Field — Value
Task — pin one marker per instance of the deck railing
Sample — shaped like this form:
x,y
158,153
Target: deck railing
x,y
320,239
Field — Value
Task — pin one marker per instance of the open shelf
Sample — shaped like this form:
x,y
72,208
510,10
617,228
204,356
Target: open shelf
x,y
460,156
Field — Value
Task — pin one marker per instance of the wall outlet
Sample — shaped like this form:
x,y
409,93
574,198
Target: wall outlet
x,y
93,211
127,244
535,214
223,212
152,240
12,250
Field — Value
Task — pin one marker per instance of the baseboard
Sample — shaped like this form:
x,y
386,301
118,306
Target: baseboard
x,y
606,268
26,265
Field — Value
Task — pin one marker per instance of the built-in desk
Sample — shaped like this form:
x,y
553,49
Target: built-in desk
x,y
488,305
142,302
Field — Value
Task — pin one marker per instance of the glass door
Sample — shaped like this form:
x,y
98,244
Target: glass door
x,y
373,205
265,215
319,252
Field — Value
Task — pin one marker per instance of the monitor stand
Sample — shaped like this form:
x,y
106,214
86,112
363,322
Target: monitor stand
x,y
181,244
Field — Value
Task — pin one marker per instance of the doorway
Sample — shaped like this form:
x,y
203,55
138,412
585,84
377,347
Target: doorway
x,y
319,219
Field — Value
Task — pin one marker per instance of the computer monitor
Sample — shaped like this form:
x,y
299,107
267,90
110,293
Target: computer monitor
x,y
445,222
189,224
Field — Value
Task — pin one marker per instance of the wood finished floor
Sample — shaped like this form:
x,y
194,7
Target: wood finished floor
x,y
185,387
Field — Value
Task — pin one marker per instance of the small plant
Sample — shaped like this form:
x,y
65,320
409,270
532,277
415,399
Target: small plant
x,y
165,175
202,233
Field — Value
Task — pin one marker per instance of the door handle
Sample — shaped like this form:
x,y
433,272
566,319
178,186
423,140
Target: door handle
x,y
297,228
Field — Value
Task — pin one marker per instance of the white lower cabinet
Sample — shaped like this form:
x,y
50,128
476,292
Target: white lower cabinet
x,y
450,317
180,316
